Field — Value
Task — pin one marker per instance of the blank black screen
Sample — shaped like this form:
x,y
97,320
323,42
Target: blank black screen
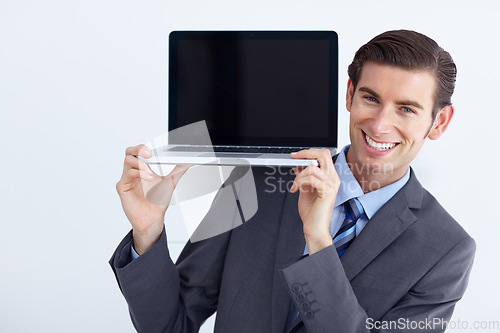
x,y
256,91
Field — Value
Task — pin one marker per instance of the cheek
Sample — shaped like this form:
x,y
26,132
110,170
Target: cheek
x,y
413,132
356,116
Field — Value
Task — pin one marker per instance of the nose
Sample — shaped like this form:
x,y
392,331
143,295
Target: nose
x,y
382,121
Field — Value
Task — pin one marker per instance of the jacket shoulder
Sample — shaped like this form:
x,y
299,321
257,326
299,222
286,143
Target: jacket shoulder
x,y
435,217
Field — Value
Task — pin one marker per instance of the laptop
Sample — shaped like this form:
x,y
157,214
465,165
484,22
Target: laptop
x,y
250,97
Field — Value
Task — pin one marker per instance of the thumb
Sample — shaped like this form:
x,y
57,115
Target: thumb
x,y
177,173
161,193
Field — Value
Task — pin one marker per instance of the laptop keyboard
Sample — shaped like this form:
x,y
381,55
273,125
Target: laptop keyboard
x,y
240,149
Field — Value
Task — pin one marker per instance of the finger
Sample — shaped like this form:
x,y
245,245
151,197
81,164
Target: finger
x,y
127,182
297,171
309,173
135,163
328,182
307,184
323,156
314,171
132,162
178,172
139,150
175,175
132,175
161,193
139,174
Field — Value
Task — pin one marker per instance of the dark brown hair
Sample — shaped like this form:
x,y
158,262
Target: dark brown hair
x,y
412,51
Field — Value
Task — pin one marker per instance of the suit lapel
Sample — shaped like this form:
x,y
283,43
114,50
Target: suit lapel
x,y
290,248
383,228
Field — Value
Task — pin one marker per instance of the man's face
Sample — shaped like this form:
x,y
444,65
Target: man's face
x,y
390,118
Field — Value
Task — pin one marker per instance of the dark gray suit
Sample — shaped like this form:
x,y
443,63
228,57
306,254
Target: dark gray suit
x,y
411,261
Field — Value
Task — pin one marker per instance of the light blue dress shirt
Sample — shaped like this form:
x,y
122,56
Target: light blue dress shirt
x,y
133,253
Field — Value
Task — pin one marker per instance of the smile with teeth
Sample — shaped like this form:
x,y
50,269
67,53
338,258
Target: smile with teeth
x,y
378,146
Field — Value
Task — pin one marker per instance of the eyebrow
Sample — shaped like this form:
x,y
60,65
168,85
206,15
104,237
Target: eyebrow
x,y
403,102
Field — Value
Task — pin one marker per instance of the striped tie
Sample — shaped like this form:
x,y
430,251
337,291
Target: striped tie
x,y
347,232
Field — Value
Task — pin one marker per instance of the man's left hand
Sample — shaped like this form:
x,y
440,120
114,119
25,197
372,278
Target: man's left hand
x,y
318,188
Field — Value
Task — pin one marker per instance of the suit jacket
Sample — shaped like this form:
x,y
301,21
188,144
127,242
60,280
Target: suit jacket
x,y
410,263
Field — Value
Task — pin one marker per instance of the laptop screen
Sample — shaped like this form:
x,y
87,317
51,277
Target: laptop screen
x,y
272,88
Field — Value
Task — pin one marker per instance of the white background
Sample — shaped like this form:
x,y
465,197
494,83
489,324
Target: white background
x,y
82,80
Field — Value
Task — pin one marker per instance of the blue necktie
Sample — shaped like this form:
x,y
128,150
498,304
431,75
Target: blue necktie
x,y
342,239
347,232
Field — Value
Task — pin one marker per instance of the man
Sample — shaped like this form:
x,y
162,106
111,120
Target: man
x,y
356,245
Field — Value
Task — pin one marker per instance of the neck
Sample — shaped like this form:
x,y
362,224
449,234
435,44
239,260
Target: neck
x,y
374,176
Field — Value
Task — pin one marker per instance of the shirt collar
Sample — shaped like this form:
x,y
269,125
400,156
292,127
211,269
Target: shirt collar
x,y
349,187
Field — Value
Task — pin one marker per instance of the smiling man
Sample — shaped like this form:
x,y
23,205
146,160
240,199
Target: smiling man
x,y
391,116
393,110
356,244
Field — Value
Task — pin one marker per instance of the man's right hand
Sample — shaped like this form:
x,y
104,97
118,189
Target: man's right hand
x,y
145,196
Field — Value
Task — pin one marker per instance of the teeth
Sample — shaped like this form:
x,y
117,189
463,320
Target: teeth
x,y
378,146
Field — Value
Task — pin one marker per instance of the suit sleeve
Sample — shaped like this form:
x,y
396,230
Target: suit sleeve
x,y
326,301
177,298
163,297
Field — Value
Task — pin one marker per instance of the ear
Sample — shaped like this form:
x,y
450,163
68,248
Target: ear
x,y
441,122
349,94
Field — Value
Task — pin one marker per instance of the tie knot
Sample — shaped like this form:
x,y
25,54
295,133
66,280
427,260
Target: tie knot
x,y
353,209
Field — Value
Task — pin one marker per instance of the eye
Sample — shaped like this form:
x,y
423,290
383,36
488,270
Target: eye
x,y
407,109
371,99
